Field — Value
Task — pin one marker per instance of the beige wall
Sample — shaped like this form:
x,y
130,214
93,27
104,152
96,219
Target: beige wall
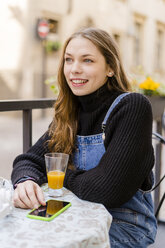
x,y
11,45
21,53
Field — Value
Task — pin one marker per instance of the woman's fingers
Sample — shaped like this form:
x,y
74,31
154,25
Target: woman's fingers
x,y
17,201
40,195
21,198
31,199
28,195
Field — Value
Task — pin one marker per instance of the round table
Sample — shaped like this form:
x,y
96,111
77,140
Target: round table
x,y
84,224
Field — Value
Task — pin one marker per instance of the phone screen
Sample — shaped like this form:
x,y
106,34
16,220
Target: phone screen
x,y
52,207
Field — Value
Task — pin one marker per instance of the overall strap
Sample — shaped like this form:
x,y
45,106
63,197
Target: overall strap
x,y
116,101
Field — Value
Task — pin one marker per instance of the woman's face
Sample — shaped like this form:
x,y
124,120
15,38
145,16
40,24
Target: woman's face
x,y
85,68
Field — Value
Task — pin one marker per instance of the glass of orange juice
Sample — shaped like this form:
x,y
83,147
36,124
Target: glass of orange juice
x,y
56,164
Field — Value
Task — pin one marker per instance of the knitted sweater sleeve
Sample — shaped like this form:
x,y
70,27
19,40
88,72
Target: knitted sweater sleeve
x,y
32,164
128,159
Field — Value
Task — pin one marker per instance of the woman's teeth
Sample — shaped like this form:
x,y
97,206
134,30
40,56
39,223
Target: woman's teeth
x,y
79,81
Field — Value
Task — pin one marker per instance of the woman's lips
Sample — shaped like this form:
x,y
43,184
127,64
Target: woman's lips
x,y
78,82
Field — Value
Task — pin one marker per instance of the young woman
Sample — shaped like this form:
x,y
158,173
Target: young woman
x,y
108,133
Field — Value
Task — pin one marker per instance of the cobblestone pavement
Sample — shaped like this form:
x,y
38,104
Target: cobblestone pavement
x,y
11,146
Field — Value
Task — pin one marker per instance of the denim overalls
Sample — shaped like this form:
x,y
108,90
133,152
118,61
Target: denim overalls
x,y
134,224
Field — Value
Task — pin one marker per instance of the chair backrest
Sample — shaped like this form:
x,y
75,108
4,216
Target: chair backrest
x,y
161,139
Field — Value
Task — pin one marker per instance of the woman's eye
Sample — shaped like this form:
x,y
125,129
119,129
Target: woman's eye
x,y
88,60
68,59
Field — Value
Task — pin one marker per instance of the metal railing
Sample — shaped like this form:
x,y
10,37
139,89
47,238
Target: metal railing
x,y
26,106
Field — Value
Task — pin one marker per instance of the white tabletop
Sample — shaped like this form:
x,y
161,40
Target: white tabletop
x,y
84,224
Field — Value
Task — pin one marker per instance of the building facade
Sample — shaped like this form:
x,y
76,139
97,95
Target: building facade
x,y
138,27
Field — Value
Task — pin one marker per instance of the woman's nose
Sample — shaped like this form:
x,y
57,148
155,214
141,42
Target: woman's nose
x,y
76,67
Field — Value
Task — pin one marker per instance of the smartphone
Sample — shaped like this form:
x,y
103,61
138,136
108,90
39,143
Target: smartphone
x,y
52,209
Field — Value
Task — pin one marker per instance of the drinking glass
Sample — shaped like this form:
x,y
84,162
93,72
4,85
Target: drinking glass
x,y
56,164
5,197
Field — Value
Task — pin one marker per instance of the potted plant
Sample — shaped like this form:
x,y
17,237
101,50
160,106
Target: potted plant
x,y
52,46
155,92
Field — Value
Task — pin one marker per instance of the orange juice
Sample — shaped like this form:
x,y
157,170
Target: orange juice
x,y
55,179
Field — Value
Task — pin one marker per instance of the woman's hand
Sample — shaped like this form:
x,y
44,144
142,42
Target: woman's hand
x,y
28,194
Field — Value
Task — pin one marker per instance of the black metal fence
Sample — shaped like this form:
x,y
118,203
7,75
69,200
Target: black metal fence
x,y
26,106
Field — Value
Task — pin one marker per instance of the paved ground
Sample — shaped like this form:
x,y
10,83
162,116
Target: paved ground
x,y
11,146
160,239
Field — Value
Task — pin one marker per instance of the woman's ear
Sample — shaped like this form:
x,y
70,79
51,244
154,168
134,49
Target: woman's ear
x,y
110,73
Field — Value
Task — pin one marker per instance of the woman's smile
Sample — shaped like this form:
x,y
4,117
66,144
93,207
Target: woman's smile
x,y
78,82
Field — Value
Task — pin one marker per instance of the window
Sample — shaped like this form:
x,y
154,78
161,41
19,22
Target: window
x,y
159,49
138,39
53,26
117,38
138,35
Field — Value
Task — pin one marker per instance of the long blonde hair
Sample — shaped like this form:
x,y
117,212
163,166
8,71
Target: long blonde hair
x,y
64,126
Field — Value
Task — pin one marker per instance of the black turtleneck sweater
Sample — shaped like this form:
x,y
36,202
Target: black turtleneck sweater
x,y
127,163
